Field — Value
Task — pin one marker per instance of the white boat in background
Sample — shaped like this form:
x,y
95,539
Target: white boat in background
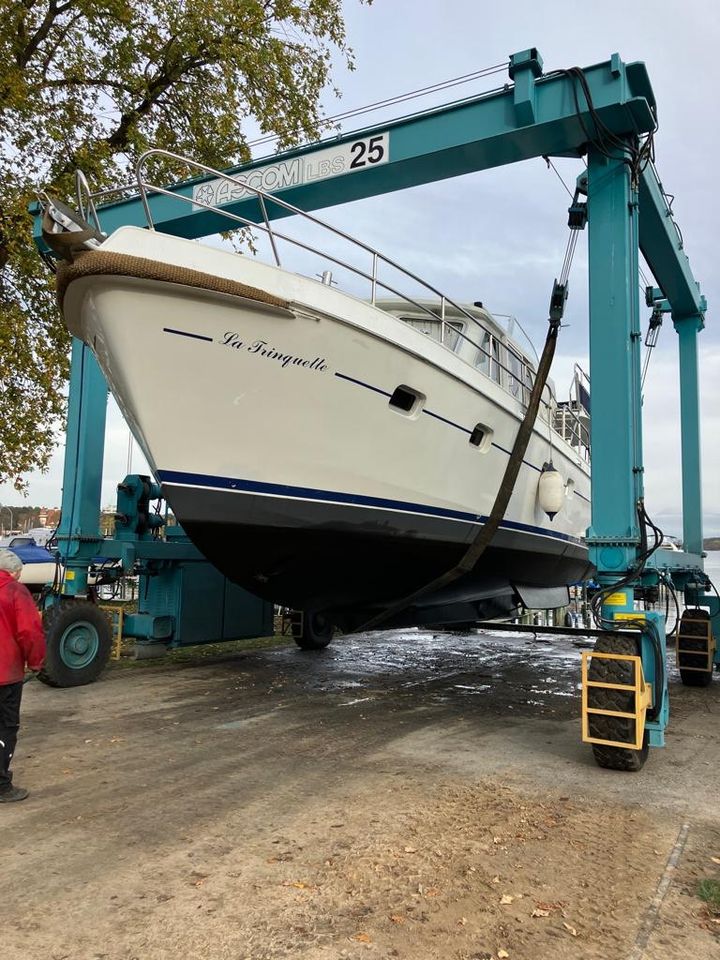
x,y
39,565
326,452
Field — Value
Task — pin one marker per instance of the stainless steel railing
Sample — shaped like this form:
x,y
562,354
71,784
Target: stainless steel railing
x,y
376,258
515,375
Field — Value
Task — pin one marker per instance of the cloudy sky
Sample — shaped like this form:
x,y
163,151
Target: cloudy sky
x,y
499,236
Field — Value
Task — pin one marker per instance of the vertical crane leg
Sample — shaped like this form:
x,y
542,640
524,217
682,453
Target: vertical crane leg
x,y
79,530
625,682
77,632
687,329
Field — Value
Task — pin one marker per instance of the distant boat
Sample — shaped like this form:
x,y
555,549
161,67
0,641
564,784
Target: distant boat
x,y
39,565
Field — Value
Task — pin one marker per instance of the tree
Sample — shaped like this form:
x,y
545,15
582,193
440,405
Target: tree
x,y
91,84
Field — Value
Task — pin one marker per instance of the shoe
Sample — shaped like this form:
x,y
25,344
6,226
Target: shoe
x,y
13,794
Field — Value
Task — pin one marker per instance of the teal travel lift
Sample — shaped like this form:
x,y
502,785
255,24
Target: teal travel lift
x,y
607,113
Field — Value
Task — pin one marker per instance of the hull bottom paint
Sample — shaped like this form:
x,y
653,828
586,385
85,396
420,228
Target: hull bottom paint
x,y
350,560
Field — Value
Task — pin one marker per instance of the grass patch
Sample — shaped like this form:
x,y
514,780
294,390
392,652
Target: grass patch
x,y
709,891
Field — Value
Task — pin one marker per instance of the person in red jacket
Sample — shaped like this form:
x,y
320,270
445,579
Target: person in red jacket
x,y
22,643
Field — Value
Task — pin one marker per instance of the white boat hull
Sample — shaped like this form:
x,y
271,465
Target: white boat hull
x,y
276,445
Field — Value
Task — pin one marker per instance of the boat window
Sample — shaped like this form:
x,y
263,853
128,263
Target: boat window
x,y
515,374
434,328
488,356
477,436
481,437
406,400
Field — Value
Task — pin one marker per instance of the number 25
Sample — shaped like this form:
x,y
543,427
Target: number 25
x,y
373,149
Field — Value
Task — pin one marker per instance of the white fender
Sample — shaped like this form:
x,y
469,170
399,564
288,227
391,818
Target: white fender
x,y
551,490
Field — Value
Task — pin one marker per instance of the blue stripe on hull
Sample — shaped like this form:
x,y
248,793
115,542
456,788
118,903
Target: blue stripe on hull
x,y
355,499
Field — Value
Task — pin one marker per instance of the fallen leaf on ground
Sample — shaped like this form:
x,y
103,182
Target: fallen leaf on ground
x,y
571,930
502,954
715,859
361,938
462,921
496,879
541,905
506,898
540,913
410,850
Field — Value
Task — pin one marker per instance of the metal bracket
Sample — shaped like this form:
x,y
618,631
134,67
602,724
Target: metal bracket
x,y
558,298
525,67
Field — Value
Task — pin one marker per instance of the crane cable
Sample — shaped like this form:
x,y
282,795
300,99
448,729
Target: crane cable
x,y
400,98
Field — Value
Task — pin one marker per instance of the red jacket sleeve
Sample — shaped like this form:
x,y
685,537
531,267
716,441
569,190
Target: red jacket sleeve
x,y
30,635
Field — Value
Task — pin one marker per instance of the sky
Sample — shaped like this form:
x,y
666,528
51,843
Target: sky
x,y
499,236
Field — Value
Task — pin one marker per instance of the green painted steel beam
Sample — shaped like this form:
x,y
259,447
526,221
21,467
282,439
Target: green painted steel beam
x,y
615,346
691,456
662,247
539,115
79,529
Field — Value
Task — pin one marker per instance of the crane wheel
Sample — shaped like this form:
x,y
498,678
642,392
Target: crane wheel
x,y
79,639
311,630
615,728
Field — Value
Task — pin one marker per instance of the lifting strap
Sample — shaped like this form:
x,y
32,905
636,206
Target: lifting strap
x,y
488,530
507,485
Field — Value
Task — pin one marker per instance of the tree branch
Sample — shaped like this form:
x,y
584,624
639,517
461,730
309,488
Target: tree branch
x,y
57,41
163,81
53,12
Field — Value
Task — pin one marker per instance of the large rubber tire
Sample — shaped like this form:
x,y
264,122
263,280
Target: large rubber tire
x,y
312,630
696,678
79,640
614,728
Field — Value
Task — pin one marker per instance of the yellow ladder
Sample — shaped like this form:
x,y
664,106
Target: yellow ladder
x,y
642,698
695,642
115,616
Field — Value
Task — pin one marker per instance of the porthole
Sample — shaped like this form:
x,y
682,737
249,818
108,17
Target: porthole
x,y
407,401
481,437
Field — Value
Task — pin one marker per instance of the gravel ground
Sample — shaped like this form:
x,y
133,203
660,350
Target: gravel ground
x,y
406,794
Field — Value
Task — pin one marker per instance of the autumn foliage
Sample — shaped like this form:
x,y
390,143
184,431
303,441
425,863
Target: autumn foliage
x,y
94,83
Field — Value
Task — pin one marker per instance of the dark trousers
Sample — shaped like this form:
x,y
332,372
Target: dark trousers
x,y
10,695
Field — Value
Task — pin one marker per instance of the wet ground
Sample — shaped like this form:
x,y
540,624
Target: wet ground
x,y
406,794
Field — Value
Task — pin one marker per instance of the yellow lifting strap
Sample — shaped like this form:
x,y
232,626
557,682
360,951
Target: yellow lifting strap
x,y
642,699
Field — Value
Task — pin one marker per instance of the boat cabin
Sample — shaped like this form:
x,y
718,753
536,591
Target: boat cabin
x,y
477,337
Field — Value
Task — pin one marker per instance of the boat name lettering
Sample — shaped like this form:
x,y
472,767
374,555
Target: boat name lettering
x,y
261,348
321,165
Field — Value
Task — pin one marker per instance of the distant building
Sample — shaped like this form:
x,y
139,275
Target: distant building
x,y
48,517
